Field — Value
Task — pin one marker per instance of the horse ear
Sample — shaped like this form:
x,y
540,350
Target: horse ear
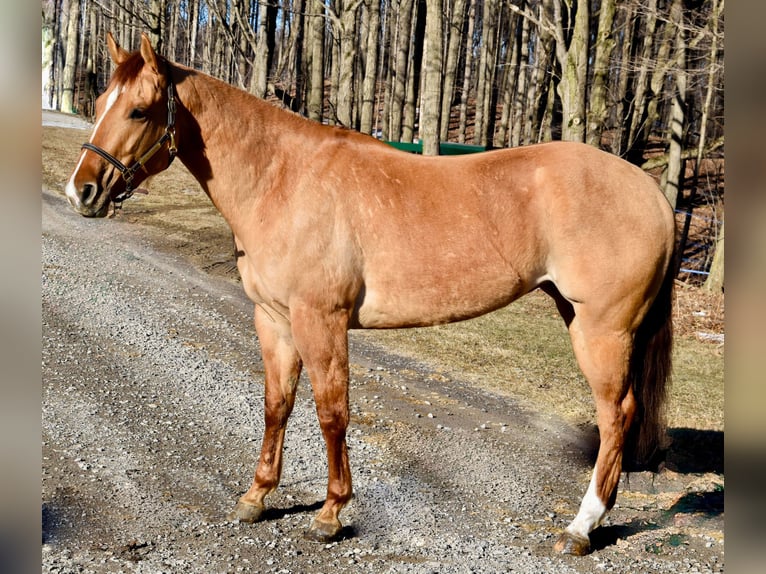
x,y
148,54
118,54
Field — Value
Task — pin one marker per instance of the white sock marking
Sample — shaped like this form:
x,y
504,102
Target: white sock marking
x,y
592,511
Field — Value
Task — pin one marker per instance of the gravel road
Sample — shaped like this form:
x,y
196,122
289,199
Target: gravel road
x,y
152,417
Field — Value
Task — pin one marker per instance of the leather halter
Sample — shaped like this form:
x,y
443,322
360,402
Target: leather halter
x,y
129,172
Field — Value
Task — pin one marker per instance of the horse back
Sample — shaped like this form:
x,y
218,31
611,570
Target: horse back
x,y
462,236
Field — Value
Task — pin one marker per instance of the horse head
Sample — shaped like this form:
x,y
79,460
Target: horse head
x,y
134,134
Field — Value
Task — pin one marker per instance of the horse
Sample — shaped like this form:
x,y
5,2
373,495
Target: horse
x,y
335,230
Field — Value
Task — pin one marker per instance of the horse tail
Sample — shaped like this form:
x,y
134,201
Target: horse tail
x,y
649,375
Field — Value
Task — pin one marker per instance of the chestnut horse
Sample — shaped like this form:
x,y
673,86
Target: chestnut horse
x,y
335,231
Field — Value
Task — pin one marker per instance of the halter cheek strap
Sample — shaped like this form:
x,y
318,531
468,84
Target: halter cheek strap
x,y
129,172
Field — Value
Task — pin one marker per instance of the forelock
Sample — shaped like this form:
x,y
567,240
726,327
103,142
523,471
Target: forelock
x,y
129,69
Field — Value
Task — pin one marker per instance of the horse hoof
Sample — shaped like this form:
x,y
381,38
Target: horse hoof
x,y
324,532
245,512
569,543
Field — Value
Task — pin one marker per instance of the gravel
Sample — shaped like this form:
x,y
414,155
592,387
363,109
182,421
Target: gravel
x,y
151,425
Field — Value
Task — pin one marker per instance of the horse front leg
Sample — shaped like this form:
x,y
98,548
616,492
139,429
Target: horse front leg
x,y
322,340
282,365
604,360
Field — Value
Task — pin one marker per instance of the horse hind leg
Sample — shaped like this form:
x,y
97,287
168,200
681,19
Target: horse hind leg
x,y
604,357
282,365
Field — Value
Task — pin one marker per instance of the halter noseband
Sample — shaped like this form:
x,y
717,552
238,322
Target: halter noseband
x,y
129,172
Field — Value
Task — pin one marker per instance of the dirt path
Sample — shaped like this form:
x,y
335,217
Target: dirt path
x,y
152,417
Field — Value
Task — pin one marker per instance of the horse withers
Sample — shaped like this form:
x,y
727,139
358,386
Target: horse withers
x,y
336,230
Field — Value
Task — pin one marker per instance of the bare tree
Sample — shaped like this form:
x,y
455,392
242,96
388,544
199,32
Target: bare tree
x,y
267,21
432,84
714,282
315,101
70,63
673,174
455,39
400,55
572,55
598,105
485,77
345,28
467,72
369,83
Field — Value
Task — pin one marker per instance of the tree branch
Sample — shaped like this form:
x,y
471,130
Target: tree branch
x,y
662,160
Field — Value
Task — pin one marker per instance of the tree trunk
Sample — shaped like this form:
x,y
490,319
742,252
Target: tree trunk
x,y
193,27
661,70
69,78
714,281
521,101
509,79
316,82
401,54
621,97
267,16
48,47
431,102
370,67
485,76
573,59
455,29
388,62
347,33
413,74
672,177
598,109
172,32
333,42
156,21
641,81
467,75
543,86
713,23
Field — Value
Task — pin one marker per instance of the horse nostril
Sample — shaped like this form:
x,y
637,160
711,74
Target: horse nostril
x,y
88,193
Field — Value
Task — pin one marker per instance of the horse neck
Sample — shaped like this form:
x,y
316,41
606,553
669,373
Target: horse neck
x,y
229,140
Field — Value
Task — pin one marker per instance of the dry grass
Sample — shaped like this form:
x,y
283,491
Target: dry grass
x,y
522,350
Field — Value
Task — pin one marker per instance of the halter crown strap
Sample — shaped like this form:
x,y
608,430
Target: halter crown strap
x,y
129,172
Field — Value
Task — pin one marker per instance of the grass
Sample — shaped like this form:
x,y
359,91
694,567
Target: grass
x,y
524,351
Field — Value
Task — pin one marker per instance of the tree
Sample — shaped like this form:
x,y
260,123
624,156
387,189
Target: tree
x,y
714,281
673,174
370,66
401,51
467,71
345,29
598,104
486,74
315,98
432,85
572,57
264,54
70,62
454,40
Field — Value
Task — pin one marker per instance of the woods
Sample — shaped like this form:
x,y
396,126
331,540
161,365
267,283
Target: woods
x,y
642,79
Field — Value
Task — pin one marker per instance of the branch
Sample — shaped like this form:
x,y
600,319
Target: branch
x,y
525,13
662,160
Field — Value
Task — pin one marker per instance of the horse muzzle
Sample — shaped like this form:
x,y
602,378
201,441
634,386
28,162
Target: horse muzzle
x,y
88,199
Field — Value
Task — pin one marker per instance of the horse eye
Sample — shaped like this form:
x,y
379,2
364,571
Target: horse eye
x,y
137,114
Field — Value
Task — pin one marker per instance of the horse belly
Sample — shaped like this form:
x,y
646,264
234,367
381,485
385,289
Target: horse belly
x,y
394,303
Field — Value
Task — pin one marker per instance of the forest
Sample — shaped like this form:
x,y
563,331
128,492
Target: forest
x,y
643,79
